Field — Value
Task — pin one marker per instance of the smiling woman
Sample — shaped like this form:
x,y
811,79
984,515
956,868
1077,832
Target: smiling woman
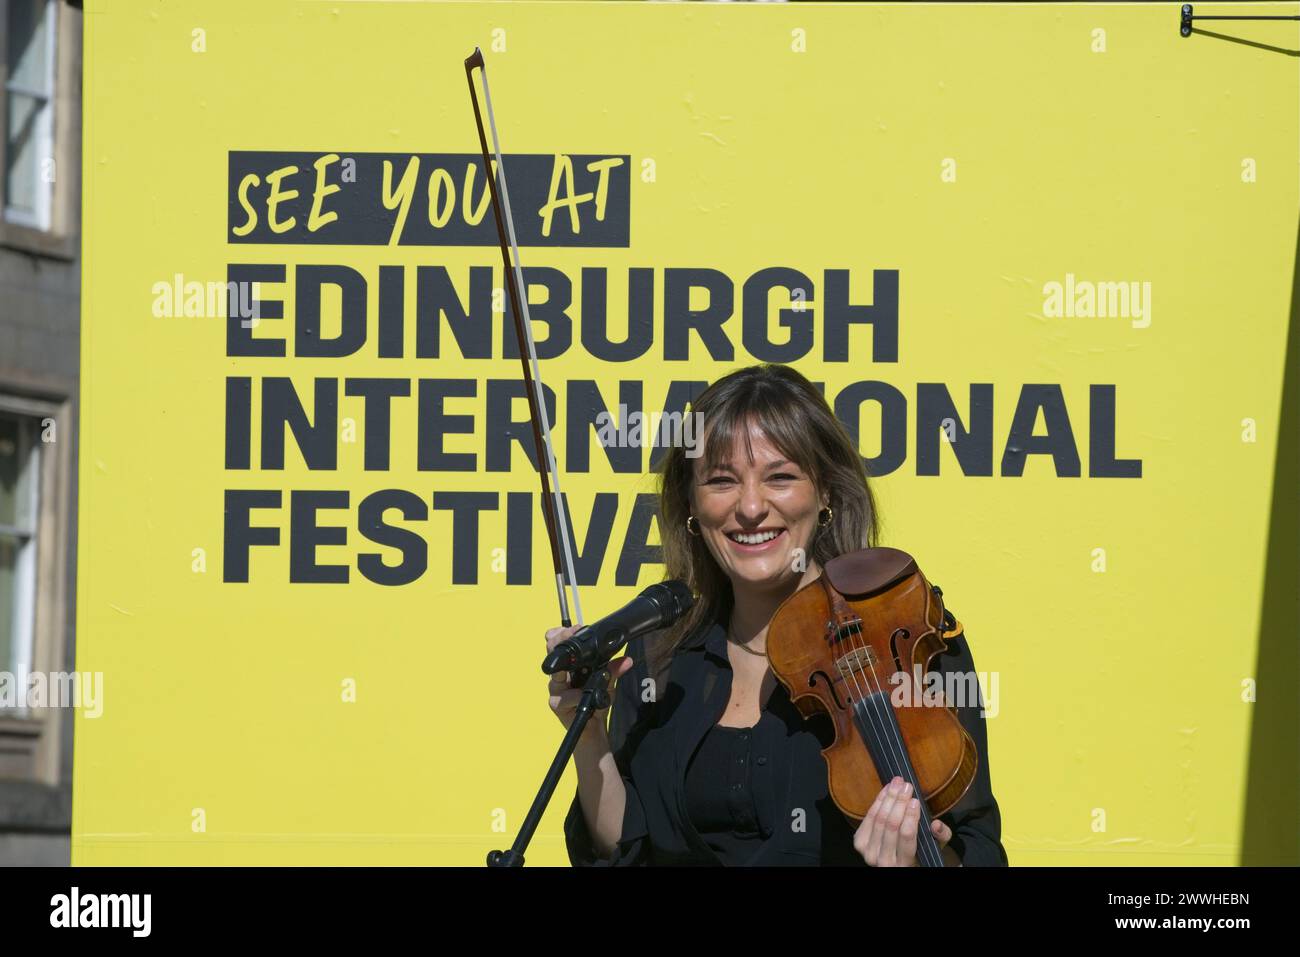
x,y
775,459
706,759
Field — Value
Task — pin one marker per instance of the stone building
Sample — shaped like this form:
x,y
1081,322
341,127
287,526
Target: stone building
x,y
40,304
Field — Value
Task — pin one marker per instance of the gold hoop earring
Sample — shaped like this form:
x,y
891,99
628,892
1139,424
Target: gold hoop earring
x,y
830,513
693,530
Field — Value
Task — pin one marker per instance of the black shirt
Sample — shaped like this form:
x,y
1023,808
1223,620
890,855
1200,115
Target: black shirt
x,y
719,797
671,819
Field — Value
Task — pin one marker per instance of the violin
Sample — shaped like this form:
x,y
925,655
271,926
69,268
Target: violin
x,y
844,645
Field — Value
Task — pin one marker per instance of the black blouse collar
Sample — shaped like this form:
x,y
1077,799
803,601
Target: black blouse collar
x,y
711,637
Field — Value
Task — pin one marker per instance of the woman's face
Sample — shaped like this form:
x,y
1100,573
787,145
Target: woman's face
x,y
757,517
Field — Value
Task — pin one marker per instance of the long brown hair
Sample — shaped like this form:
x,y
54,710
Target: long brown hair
x,y
797,421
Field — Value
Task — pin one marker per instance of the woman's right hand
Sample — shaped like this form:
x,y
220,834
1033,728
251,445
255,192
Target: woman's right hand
x,y
564,700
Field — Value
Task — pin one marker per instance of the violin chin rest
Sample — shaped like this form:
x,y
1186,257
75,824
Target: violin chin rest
x,y
869,570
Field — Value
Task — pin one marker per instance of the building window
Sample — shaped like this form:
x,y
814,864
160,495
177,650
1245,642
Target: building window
x,y
29,111
19,508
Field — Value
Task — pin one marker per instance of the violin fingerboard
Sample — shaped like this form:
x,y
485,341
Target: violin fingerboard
x,y
874,718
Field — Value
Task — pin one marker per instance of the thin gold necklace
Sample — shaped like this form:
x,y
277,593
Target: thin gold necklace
x,y
732,638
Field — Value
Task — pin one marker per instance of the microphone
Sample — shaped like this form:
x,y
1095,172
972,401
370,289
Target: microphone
x,y
592,645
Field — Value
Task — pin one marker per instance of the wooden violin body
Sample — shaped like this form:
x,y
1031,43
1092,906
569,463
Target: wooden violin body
x,y
850,644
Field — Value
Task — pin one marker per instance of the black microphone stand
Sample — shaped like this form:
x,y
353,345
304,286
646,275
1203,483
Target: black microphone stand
x,y
595,697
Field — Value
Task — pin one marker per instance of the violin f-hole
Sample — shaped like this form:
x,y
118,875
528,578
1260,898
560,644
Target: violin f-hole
x,y
830,686
900,635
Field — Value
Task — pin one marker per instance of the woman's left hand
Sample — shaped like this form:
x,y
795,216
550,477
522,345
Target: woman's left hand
x,y
887,835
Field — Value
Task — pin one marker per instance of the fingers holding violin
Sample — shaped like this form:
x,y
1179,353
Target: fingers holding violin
x,y
887,835
891,821
866,838
910,812
904,820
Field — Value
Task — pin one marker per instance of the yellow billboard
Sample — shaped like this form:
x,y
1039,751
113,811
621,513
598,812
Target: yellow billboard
x,y
312,566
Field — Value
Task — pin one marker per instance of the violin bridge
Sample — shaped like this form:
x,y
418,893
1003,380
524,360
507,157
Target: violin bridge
x,y
858,660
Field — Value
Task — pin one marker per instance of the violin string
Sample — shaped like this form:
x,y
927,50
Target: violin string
x,y
889,747
925,846
925,841
853,676
883,747
884,743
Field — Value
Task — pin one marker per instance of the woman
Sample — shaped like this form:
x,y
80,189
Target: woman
x,y
706,760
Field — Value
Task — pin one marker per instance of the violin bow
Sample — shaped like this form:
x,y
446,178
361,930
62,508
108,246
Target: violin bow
x,y
557,527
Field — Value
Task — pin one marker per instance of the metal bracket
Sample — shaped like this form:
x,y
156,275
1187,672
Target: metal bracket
x,y
1186,18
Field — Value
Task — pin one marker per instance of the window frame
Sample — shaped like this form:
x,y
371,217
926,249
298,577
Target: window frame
x,y
42,219
61,240
30,739
27,534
